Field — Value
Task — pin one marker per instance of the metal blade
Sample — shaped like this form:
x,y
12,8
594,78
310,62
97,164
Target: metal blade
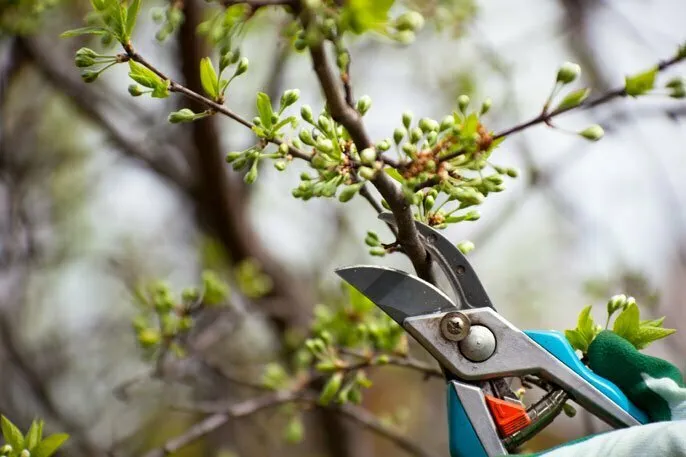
x,y
461,275
397,293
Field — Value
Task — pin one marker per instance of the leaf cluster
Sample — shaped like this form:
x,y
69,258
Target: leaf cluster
x,y
627,324
31,444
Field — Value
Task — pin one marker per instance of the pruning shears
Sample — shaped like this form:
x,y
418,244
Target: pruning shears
x,y
483,355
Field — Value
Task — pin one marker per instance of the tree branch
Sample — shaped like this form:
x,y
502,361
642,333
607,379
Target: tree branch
x,y
545,117
389,190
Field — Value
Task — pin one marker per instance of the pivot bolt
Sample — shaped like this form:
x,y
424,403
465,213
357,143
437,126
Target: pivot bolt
x,y
479,344
455,326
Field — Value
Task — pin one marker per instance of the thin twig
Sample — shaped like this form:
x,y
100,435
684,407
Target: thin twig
x,y
545,117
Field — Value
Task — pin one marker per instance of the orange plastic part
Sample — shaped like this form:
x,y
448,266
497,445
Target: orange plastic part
x,y
509,417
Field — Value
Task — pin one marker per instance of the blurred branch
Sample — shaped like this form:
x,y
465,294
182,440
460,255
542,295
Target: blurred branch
x,y
546,116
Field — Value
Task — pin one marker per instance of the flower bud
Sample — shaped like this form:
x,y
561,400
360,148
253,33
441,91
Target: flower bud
x,y
383,145
593,133
89,76
149,337
280,165
411,20
251,176
242,66
324,144
232,156
306,137
135,90
85,57
405,37
306,113
331,388
428,125
289,97
349,192
324,124
378,251
568,72
294,431
407,119
615,303
5,449
398,134
368,156
283,149
447,122
486,106
463,102
409,149
416,134
465,247
25,453
366,173
472,216
363,104
183,115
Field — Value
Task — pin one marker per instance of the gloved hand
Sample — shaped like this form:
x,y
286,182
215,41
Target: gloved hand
x,y
652,384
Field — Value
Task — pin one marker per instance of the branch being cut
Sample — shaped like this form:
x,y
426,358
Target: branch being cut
x,y
349,118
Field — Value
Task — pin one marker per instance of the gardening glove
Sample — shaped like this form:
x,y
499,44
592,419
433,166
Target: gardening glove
x,y
653,385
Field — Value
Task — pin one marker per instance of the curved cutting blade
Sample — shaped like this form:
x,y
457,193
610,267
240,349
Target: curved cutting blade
x,y
397,293
453,263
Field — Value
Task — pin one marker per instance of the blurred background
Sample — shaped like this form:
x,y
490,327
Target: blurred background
x,y
98,191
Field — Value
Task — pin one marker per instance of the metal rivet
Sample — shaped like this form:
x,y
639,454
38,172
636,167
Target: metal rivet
x,y
479,345
455,326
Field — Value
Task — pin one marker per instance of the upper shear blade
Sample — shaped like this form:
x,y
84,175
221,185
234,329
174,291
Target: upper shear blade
x,y
460,274
397,293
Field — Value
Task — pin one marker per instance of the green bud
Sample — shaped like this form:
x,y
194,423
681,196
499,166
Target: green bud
x,y
306,137
295,431
431,138
280,165
615,303
568,72
242,66
378,251
331,388
135,90
89,76
251,175
363,104
486,106
225,60
232,156
138,323
512,172
305,177
289,97
329,29
399,134
84,61
411,20
5,449
593,133
325,125
306,113
257,121
428,125
405,37
463,102
383,359
569,410
678,92
183,115
407,119
190,294
149,337
342,60
368,156
371,241
416,134
465,247
349,192
324,144
300,44
472,216
447,122
429,202
409,149
366,173
25,453
383,145
283,149
675,83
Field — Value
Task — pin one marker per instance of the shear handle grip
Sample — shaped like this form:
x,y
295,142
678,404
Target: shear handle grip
x,y
557,345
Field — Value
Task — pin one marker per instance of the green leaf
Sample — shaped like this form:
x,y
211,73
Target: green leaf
x,y
395,174
290,119
143,75
49,445
362,15
652,322
573,99
84,31
627,323
264,109
647,334
208,78
576,340
131,16
99,5
330,389
34,435
161,90
585,325
11,433
470,126
640,83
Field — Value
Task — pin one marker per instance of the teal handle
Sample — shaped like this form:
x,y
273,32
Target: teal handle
x,y
557,345
464,441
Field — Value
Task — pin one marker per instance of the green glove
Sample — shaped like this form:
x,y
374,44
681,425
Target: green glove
x,y
653,385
